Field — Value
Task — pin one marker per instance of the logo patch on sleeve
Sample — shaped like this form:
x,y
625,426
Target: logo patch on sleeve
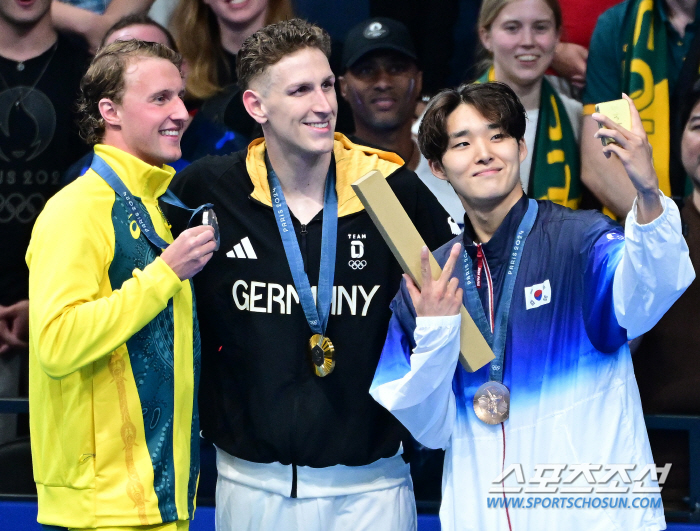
x,y
537,295
614,236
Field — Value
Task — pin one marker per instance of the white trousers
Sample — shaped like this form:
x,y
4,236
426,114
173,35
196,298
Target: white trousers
x,y
243,508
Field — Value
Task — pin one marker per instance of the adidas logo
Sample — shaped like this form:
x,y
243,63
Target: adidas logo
x,y
243,250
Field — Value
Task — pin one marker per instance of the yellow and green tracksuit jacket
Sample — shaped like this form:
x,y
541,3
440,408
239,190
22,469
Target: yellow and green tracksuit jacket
x,y
114,358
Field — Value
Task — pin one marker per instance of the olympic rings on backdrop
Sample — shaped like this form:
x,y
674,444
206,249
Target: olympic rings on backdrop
x,y
23,209
357,264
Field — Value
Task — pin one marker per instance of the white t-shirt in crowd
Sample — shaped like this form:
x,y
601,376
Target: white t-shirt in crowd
x,y
573,109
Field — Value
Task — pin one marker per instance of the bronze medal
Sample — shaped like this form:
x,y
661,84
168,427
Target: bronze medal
x,y
322,355
492,403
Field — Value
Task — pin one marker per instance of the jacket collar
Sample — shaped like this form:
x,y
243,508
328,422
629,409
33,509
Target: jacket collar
x,y
351,162
142,179
500,243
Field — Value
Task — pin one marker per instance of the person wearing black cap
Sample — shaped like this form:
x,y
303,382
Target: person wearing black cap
x,y
382,82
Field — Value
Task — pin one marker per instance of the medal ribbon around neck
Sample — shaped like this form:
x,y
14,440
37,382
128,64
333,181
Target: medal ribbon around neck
x,y
497,338
316,313
141,216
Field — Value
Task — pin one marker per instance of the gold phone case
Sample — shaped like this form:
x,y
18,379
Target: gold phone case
x,y
618,111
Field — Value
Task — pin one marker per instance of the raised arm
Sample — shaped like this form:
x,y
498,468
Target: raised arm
x,y
570,62
417,387
655,268
633,151
90,25
605,177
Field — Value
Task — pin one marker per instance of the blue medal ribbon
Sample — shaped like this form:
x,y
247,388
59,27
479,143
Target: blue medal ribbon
x,y
316,313
472,301
141,216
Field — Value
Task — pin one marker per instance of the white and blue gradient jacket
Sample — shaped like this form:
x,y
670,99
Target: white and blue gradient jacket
x,y
574,398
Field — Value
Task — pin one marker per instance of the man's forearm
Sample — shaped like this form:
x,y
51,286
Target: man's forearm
x,y
422,399
72,19
72,328
654,271
605,177
91,25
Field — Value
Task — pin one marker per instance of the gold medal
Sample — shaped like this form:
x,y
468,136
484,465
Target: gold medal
x,y
322,355
492,403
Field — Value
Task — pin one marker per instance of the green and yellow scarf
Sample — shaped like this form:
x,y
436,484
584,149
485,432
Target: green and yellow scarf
x,y
555,169
645,80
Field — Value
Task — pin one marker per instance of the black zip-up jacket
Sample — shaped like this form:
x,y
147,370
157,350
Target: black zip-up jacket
x,y
260,399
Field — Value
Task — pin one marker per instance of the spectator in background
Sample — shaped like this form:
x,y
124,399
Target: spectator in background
x,y
658,45
520,37
579,18
40,73
431,27
209,34
92,18
140,27
382,83
673,344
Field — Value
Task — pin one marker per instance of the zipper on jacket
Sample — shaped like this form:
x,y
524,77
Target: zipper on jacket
x,y
303,248
294,481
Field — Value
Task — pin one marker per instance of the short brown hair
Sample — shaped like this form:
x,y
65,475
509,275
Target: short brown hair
x,y
494,101
270,44
139,19
105,79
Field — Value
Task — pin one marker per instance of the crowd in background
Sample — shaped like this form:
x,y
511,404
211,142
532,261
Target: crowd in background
x,y
560,58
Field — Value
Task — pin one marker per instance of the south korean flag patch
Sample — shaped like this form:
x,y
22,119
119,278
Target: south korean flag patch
x,y
538,295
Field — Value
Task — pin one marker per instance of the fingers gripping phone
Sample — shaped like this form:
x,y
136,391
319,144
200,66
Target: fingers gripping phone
x,y
619,112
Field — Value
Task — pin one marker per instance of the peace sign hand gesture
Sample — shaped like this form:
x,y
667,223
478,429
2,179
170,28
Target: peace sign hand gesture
x,y
634,151
441,297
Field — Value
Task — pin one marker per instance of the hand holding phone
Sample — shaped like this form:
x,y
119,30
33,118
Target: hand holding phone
x,y
619,112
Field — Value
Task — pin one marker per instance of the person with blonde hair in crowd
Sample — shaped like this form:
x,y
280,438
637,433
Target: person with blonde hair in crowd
x,y
209,34
520,37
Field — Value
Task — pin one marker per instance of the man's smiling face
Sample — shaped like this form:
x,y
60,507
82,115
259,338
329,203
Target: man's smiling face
x,y
151,114
382,88
297,103
482,163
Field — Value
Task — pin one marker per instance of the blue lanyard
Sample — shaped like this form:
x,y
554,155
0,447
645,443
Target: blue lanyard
x,y
497,338
316,313
141,216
